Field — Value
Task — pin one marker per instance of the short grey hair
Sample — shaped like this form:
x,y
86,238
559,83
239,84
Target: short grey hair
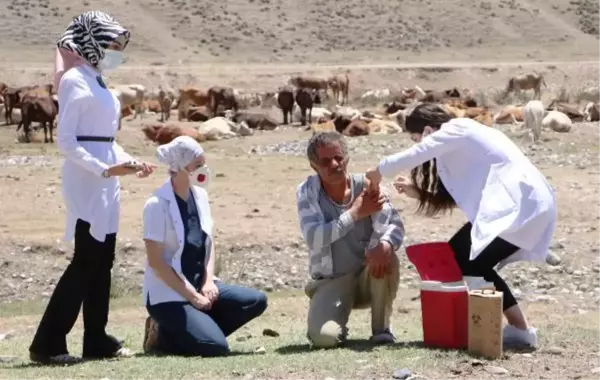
x,y
324,139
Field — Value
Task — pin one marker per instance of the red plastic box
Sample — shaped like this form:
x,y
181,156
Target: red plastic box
x,y
444,311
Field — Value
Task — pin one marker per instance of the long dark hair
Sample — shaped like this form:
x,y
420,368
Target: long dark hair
x,y
433,195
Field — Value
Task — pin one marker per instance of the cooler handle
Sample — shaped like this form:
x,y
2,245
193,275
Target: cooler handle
x,y
484,291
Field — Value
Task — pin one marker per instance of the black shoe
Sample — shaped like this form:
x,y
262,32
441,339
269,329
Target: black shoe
x,y
62,359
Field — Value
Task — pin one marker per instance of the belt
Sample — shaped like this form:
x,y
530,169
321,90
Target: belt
x,y
95,138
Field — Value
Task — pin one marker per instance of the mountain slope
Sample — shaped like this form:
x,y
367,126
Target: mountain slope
x,y
349,31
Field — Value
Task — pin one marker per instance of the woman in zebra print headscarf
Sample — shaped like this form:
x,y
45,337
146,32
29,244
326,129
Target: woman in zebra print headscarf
x,y
87,39
88,118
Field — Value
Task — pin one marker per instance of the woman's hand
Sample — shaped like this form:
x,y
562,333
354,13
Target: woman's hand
x,y
405,186
140,169
146,171
210,290
125,168
374,178
201,302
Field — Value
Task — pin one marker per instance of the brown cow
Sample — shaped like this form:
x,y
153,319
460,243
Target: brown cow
x,y
285,99
394,107
12,99
199,113
480,114
509,115
3,87
190,96
152,105
325,126
339,85
436,96
356,128
314,83
572,111
305,98
222,96
164,134
526,82
39,108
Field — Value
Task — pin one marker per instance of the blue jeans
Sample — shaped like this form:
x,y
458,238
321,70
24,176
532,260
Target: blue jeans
x,y
185,330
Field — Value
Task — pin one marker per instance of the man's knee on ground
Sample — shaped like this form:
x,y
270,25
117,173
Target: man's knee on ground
x,y
328,335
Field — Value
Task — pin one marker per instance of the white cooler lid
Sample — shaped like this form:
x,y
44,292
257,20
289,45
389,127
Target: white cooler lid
x,y
436,286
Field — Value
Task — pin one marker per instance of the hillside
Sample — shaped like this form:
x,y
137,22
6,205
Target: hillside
x,y
292,31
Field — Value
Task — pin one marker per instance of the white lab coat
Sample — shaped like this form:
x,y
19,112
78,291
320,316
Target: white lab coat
x,y
87,109
501,192
163,224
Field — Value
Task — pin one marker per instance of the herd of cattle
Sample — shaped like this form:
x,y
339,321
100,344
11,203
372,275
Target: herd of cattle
x,y
318,104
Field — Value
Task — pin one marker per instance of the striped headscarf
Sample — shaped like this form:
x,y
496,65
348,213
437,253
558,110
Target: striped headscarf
x,y
90,33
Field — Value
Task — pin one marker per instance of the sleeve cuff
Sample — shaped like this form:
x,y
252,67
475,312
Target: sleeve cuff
x,y
153,238
382,167
346,219
101,168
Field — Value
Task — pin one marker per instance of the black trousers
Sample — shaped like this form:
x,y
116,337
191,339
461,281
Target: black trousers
x,y
86,281
483,265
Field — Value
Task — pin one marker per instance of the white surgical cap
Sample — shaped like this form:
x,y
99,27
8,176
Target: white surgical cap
x,y
179,152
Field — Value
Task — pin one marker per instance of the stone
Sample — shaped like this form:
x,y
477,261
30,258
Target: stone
x,y
494,370
7,336
8,359
402,374
555,350
270,332
260,350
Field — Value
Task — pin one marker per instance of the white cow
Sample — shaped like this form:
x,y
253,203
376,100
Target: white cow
x,y
316,114
557,121
376,95
348,112
219,128
533,114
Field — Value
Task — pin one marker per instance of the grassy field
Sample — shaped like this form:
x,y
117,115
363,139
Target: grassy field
x,y
568,348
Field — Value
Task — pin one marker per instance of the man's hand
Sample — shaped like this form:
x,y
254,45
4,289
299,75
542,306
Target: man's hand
x,y
378,259
210,290
367,203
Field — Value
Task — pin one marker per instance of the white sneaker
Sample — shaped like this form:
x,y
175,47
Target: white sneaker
x,y
385,337
514,336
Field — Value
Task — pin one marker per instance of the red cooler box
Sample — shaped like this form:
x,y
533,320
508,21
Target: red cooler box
x,y
444,311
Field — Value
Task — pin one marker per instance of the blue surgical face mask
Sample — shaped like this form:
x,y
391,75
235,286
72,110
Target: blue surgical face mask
x,y
112,59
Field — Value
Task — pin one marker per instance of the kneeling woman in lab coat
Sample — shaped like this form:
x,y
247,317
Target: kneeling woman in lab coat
x,y
510,206
191,310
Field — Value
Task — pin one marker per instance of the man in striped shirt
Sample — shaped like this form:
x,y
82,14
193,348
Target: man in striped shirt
x,y
352,236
